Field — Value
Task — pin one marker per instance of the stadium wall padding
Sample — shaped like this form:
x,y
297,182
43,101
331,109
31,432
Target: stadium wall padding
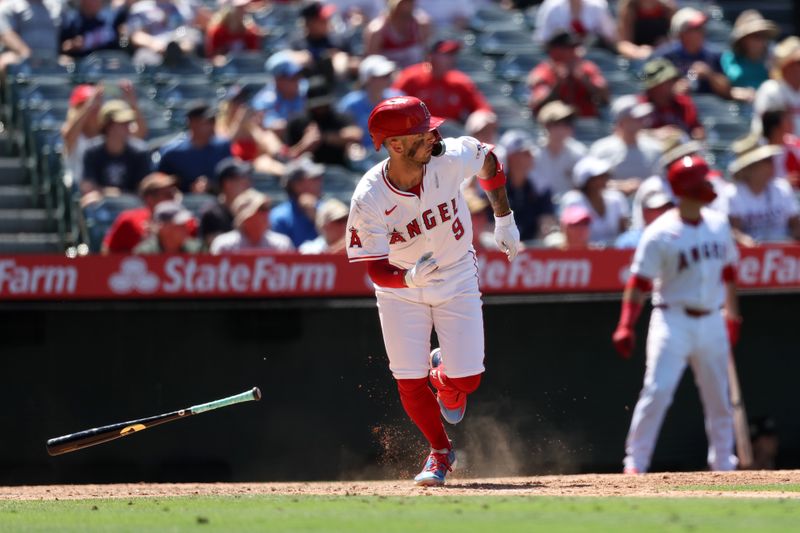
x,y
555,397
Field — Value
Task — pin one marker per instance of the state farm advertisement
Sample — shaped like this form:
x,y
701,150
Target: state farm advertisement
x,y
32,277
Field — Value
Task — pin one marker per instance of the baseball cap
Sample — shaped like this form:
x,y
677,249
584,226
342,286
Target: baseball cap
x,y
201,109
446,46
171,212
659,71
283,64
686,18
515,141
478,120
231,167
116,111
317,10
155,181
587,168
247,204
80,94
655,200
563,37
301,168
630,106
330,211
375,66
575,214
555,111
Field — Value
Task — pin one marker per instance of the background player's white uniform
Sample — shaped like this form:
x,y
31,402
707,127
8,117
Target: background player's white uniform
x,y
386,222
685,263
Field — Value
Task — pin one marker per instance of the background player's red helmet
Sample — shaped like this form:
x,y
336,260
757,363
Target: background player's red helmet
x,y
403,115
688,177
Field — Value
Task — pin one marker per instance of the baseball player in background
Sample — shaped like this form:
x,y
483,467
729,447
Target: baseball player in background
x,y
409,220
687,257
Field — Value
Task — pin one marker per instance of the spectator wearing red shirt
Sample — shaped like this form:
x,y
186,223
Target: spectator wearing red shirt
x,y
131,226
447,92
231,30
671,109
566,77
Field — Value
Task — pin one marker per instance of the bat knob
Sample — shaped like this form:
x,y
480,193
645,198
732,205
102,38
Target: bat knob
x,y
256,393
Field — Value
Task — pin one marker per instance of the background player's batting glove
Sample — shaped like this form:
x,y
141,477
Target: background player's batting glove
x,y
624,339
506,235
424,273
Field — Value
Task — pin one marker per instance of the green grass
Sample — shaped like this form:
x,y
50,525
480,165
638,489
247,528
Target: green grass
x,y
770,487
357,514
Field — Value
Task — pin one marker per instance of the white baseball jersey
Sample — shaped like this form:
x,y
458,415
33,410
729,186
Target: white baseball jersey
x,y
765,217
387,223
685,261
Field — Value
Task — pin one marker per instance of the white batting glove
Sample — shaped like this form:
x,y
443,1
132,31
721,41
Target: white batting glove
x,y
423,273
506,235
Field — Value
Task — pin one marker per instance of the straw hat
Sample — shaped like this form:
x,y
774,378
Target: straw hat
x,y
750,22
787,51
752,157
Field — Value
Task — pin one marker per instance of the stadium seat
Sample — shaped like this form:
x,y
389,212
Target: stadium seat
x,y
270,184
180,94
516,67
104,65
249,62
490,18
196,202
502,42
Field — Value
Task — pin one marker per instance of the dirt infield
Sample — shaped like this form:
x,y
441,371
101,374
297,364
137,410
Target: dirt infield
x,y
659,484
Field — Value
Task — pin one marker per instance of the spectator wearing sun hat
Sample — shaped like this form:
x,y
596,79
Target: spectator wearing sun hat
x,y
374,79
761,208
670,109
558,150
783,90
331,222
632,153
608,208
745,64
699,64
448,92
251,231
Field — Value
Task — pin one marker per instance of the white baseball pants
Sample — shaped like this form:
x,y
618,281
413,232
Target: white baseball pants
x,y
674,340
452,307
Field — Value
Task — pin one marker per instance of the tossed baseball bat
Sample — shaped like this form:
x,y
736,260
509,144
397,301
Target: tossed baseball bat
x,y
741,428
90,437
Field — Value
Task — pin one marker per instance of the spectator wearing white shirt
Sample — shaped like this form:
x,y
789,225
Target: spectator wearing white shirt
x,y
607,207
584,17
632,153
559,151
761,208
331,221
29,29
783,90
251,231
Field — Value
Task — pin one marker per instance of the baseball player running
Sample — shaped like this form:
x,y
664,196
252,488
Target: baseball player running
x,y
409,220
687,257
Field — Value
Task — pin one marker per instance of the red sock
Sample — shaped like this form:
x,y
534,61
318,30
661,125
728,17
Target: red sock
x,y
420,404
453,391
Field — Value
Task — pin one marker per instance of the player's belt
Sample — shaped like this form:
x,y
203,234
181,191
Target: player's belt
x,y
694,313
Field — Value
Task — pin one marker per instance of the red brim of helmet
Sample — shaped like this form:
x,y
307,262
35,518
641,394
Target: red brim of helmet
x,y
702,192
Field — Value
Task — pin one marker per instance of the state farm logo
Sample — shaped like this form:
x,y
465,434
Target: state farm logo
x,y
133,276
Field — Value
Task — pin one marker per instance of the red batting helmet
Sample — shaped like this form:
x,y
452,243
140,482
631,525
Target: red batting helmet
x,y
403,115
688,177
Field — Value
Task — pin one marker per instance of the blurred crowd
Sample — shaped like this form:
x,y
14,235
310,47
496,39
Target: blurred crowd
x,y
344,56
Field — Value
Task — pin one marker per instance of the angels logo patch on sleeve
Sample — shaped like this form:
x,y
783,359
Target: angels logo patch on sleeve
x,y
355,240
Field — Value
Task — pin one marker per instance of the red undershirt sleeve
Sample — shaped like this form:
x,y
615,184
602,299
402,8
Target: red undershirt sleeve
x,y
385,274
